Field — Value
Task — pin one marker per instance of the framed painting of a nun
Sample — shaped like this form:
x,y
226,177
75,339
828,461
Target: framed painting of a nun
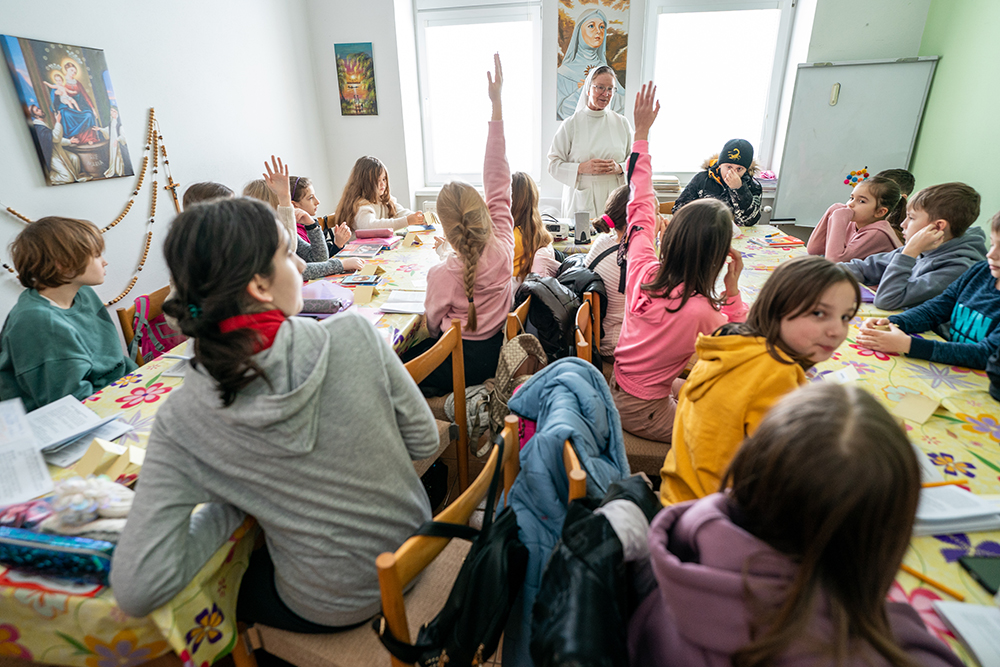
x,y
71,110
591,34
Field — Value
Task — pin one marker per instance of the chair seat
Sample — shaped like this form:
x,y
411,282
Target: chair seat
x,y
444,439
645,455
360,647
437,407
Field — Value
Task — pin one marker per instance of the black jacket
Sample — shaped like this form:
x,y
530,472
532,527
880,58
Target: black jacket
x,y
744,202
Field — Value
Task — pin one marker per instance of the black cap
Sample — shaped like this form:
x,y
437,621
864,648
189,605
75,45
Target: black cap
x,y
737,151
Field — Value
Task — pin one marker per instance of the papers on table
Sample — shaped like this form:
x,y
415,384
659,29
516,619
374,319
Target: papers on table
x,y
66,455
950,509
62,421
976,626
404,302
24,473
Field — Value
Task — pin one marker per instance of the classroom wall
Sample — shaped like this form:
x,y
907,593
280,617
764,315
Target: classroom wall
x,y
868,30
959,130
229,88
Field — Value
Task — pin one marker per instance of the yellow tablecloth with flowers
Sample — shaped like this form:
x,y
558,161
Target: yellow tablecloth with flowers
x,y
47,621
962,439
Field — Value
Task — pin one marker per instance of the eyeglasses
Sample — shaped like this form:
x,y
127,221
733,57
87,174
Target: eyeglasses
x,y
604,89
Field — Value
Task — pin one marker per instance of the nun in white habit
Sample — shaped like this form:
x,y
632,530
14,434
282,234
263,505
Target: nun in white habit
x,y
589,154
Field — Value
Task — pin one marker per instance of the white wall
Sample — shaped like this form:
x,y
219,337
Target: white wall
x,y
867,30
230,83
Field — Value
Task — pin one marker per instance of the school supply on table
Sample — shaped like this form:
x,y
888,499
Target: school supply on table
x,y
364,249
778,241
25,475
976,626
360,279
322,298
404,302
936,584
62,421
915,407
374,233
867,296
944,510
77,558
71,452
984,569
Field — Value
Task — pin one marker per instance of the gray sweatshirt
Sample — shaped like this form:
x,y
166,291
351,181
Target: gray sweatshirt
x,y
904,281
317,258
322,460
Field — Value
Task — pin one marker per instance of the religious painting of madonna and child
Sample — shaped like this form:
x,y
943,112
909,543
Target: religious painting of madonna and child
x,y
356,77
71,110
591,33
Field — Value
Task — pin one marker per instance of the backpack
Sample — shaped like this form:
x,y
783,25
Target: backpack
x,y
520,358
552,312
152,337
477,413
468,628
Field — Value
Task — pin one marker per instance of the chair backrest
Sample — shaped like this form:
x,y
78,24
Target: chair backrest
x,y
397,570
516,319
588,326
575,472
127,315
666,208
450,344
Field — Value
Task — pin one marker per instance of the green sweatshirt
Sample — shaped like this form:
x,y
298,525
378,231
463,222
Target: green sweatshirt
x,y
47,352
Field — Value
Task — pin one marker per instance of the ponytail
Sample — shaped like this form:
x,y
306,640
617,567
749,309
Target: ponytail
x,y
886,193
213,251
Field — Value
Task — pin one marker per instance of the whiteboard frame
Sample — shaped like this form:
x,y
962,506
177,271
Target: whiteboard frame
x,y
822,65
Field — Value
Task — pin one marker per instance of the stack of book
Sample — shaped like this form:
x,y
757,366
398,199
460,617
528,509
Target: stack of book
x,y
944,510
368,248
778,241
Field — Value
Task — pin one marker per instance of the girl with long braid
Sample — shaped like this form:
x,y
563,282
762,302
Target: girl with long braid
x,y
473,284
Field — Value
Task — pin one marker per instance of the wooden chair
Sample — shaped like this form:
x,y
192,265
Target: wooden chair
x,y
516,319
396,570
588,327
127,315
419,368
575,472
438,558
666,208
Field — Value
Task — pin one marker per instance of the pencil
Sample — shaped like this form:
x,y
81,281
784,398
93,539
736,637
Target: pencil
x,y
949,482
936,584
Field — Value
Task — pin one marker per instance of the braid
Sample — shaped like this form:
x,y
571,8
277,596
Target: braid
x,y
468,227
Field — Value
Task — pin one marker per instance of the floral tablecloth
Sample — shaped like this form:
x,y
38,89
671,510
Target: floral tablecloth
x,y
54,622
962,439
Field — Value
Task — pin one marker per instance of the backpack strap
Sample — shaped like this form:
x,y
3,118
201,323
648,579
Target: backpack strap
x,y
632,159
140,323
600,258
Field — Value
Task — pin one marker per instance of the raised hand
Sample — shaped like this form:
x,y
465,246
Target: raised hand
x,y
495,86
276,179
646,110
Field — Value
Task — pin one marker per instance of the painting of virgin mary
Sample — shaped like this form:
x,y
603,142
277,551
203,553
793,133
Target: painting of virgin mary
x,y
70,108
598,36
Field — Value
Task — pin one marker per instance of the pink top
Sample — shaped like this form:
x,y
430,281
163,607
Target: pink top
x,y
655,345
494,289
838,238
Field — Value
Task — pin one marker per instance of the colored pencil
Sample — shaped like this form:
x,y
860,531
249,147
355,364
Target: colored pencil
x,y
950,482
936,584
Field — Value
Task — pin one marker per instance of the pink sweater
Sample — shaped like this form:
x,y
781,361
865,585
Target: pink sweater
x,y
494,289
655,345
838,238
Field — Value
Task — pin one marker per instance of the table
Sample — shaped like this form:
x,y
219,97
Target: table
x,y
962,439
70,625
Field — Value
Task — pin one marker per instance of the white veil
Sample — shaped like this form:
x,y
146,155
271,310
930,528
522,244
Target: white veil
x,y
581,102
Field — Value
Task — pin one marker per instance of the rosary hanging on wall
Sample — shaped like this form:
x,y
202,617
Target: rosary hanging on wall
x,y
154,146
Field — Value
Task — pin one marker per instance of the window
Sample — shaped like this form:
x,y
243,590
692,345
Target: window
x,y
455,48
718,66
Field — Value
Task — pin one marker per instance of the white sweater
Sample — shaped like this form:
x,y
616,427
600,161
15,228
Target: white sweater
x,y
610,273
376,216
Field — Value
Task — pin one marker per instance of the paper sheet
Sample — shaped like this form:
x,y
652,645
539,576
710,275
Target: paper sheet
x,y
976,626
24,473
943,503
71,452
915,407
61,421
400,301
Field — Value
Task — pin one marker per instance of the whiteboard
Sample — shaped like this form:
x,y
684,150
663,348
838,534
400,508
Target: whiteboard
x,y
873,124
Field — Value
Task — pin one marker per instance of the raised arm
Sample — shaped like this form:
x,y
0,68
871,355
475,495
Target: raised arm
x,y
276,178
496,171
642,200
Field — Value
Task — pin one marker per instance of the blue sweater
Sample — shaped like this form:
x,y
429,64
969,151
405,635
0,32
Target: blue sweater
x,y
971,307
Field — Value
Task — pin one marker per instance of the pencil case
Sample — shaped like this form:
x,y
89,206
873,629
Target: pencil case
x,y
77,558
373,233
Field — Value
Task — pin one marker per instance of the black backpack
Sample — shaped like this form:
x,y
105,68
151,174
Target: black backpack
x,y
468,628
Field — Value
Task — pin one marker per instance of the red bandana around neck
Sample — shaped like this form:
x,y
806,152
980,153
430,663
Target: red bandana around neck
x,y
266,324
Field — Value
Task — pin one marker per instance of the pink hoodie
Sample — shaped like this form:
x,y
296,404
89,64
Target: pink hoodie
x,y
494,288
699,615
655,345
838,238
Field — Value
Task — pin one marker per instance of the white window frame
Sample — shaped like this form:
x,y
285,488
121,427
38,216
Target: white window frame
x,y
765,152
433,13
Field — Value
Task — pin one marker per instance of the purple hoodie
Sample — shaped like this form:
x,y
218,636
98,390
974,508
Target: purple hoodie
x,y
699,616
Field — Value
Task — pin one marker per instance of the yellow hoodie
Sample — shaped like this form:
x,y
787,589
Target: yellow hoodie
x,y
733,384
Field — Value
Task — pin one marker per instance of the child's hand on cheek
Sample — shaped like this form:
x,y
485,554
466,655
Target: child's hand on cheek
x,y
894,340
925,240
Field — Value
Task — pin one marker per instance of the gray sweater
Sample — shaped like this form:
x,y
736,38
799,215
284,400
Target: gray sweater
x,y
904,281
317,257
322,460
